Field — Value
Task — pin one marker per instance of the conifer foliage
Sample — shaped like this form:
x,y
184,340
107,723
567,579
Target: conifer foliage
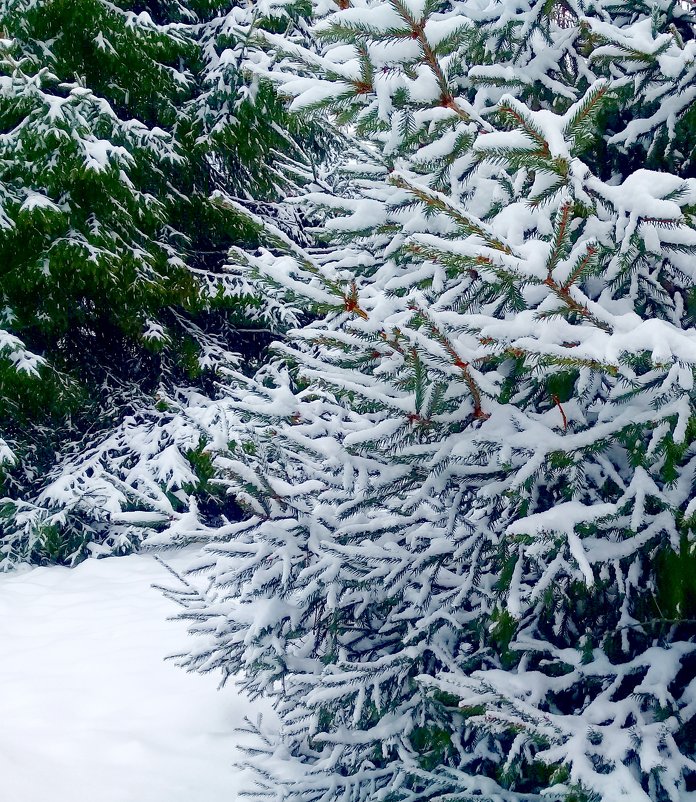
x,y
468,570
124,182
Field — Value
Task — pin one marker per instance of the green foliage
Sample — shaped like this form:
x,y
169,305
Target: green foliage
x,y
501,631
675,581
432,744
135,153
53,545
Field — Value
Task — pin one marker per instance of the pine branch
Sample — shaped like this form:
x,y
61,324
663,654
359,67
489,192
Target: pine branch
x,y
457,361
438,202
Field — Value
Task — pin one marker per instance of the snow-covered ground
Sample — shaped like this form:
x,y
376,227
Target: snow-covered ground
x,y
89,710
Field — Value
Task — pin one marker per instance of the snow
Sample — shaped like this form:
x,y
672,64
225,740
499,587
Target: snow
x,y
437,29
91,712
12,348
35,200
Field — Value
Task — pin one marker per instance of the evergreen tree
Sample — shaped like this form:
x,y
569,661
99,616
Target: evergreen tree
x,y
122,167
468,571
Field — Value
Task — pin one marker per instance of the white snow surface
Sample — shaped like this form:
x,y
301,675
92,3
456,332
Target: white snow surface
x,y
90,710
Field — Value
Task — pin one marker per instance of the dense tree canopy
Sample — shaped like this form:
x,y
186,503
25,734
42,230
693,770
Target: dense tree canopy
x,y
451,518
125,129
469,569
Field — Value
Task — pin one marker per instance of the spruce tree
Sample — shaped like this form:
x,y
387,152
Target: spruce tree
x,y
124,182
468,569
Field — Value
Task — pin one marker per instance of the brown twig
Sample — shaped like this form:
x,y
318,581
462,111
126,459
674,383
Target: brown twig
x,y
458,362
557,402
